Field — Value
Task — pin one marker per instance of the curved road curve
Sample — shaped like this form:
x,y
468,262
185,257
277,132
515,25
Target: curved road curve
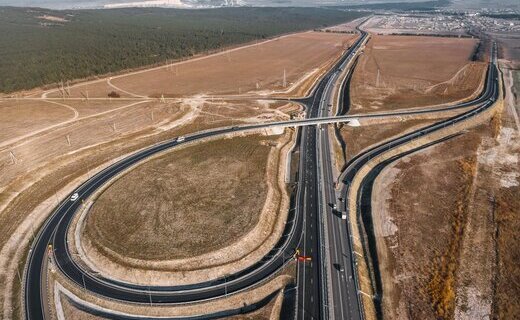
x,y
486,100
53,235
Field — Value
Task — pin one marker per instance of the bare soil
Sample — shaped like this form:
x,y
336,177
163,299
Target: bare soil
x,y
398,72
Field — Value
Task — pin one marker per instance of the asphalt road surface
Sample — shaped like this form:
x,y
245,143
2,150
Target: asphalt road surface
x,y
483,102
312,284
304,231
51,241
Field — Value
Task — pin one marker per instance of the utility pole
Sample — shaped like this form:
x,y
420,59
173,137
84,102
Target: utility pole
x,y
68,140
378,76
19,277
13,158
114,126
284,78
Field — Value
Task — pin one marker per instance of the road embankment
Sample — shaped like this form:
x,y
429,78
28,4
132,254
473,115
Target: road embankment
x,y
364,266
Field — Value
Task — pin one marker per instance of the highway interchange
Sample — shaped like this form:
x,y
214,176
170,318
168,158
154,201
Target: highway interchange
x,y
326,285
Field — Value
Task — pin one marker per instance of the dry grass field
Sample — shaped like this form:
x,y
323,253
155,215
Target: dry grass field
x,y
22,117
185,203
252,69
99,122
360,138
443,217
199,212
415,221
46,164
49,147
70,311
437,215
25,119
398,72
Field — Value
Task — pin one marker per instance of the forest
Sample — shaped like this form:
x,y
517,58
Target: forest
x,y
40,47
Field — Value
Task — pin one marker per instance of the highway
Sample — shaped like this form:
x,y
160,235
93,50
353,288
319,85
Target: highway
x,y
326,286
312,288
51,239
363,197
340,300
338,258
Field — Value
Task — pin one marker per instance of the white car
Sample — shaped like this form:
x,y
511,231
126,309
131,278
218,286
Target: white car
x,y
181,139
74,197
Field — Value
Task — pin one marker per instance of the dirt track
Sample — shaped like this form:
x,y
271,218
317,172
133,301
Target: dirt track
x,y
56,144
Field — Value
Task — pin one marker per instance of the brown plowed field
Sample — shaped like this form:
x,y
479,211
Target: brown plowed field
x,y
232,72
397,72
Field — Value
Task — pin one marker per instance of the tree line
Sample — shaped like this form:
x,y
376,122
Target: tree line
x,y
36,49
